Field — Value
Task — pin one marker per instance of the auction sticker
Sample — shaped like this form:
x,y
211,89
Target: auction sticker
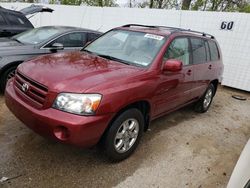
x,y
152,36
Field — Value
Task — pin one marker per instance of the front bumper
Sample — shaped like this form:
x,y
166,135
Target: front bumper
x,y
83,131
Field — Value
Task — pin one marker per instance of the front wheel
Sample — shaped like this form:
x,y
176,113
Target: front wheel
x,y
205,101
124,135
8,74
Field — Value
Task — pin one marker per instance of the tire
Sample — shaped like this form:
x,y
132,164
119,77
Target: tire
x,y
205,101
118,141
7,74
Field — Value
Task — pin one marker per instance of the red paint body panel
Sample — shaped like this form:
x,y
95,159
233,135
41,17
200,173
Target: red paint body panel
x,y
119,84
84,131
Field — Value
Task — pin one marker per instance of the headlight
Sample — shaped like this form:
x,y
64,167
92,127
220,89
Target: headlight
x,y
81,104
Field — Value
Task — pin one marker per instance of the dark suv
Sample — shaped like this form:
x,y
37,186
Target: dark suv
x,y
15,22
110,91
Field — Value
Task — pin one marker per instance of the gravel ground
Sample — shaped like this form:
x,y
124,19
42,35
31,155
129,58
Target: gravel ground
x,y
183,149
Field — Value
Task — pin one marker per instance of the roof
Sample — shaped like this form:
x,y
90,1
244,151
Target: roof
x,y
9,10
71,28
163,30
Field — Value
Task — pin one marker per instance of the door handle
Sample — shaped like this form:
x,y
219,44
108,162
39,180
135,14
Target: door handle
x,y
210,67
189,72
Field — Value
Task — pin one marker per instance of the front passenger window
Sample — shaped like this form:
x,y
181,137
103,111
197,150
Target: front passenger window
x,y
72,40
178,49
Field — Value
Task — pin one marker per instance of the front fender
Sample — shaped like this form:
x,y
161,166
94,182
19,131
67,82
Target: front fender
x,y
118,97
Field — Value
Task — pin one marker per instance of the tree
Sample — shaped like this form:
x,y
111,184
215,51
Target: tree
x,y
186,4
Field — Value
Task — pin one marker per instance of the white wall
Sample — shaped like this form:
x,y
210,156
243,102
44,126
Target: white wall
x,y
235,44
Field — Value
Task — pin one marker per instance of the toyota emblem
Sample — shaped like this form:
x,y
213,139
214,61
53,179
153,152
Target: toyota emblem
x,y
25,87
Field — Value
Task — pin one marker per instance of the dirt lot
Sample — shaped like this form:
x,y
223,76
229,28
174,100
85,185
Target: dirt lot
x,y
183,149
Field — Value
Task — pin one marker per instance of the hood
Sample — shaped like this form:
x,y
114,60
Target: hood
x,y
35,9
7,42
12,47
75,71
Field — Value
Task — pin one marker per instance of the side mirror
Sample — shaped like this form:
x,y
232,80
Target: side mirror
x,y
172,65
56,46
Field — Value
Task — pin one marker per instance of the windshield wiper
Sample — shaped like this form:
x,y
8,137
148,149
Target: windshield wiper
x,y
16,40
113,58
86,51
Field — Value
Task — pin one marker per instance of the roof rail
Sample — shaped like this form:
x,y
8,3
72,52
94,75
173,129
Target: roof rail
x,y
198,32
139,25
167,27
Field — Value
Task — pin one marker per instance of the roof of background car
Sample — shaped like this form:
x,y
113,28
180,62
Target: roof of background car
x,y
70,28
9,10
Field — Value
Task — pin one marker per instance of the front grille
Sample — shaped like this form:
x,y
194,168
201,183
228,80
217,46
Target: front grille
x,y
30,89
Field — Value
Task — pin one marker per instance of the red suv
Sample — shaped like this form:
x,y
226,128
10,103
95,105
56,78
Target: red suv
x,y
110,91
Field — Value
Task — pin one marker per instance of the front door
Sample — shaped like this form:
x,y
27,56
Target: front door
x,y
174,87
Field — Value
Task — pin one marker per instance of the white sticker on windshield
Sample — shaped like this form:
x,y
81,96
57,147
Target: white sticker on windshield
x,y
152,36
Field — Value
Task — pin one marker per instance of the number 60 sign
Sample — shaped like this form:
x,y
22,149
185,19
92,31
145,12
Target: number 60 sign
x,y
227,25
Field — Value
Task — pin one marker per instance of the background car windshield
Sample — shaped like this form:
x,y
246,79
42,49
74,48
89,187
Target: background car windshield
x,y
133,47
36,36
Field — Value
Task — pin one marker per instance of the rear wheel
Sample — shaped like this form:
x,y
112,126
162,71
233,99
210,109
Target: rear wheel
x,y
205,101
124,135
8,74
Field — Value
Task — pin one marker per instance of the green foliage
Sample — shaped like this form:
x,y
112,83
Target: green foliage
x,y
245,8
101,3
220,5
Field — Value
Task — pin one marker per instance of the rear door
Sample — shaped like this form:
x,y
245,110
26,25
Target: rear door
x,y
216,65
202,65
174,87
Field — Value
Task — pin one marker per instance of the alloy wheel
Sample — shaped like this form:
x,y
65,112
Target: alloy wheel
x,y
126,135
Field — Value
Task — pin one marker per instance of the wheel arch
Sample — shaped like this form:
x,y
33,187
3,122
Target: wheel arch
x,y
142,105
215,84
9,65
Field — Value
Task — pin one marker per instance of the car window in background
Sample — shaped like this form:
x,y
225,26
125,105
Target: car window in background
x,y
72,40
214,51
2,21
199,50
37,35
130,47
92,36
178,49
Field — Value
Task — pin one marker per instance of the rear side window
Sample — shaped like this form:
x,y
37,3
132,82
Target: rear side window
x,y
2,21
213,50
16,20
198,50
178,49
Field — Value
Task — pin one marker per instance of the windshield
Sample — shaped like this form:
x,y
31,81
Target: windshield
x,y
37,35
132,47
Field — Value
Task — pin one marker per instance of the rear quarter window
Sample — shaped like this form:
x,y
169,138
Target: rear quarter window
x,y
213,51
